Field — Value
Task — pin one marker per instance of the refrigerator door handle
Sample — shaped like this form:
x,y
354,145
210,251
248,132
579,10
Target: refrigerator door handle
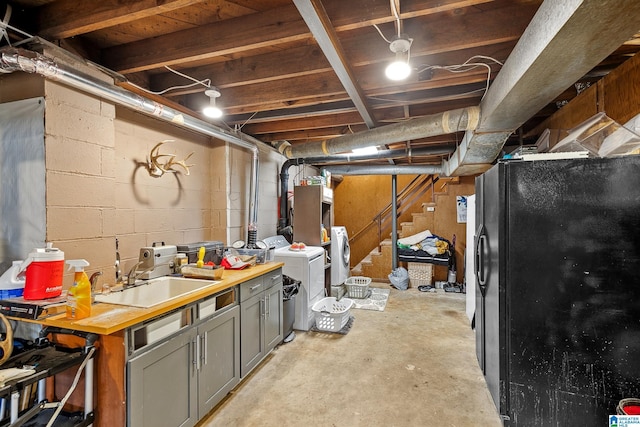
x,y
481,243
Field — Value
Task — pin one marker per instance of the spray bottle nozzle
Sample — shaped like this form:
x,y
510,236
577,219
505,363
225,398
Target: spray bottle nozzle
x,y
78,264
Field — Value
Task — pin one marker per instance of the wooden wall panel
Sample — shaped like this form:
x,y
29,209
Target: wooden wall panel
x,y
446,223
621,89
577,111
617,94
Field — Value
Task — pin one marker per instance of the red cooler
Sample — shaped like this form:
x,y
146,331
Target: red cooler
x,y
43,279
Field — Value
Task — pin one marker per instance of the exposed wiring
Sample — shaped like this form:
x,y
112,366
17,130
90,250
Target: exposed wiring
x,y
381,35
3,25
6,25
206,83
465,67
443,98
246,121
394,10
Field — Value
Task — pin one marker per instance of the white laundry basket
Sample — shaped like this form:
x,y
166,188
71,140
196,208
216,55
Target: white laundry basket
x,y
331,314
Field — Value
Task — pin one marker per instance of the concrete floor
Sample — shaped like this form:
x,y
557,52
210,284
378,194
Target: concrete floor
x,y
412,365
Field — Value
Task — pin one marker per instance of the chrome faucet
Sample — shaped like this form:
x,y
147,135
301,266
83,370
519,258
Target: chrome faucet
x,y
93,280
134,274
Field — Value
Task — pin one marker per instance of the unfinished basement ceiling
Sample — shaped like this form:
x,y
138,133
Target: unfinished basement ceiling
x,y
276,82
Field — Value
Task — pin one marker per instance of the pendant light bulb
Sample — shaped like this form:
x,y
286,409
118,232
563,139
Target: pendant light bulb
x,y
211,110
400,68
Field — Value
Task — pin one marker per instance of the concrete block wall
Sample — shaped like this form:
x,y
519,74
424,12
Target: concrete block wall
x,y
174,208
99,188
80,175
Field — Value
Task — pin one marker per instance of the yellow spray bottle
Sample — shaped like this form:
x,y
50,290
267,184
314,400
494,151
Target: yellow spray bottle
x,y
79,295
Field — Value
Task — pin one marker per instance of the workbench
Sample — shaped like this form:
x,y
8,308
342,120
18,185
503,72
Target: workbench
x,y
110,323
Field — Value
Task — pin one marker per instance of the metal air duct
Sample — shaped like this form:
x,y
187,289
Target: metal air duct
x,y
463,119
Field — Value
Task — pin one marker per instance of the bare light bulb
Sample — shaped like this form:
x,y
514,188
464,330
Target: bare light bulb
x,y
400,68
397,70
211,110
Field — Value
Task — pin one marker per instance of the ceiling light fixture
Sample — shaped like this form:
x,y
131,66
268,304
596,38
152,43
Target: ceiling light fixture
x,y
211,110
400,68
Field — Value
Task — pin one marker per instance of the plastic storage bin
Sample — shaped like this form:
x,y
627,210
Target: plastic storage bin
x,y
260,254
212,251
357,286
332,315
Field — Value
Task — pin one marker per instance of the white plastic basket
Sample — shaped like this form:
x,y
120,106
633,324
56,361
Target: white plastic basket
x,y
358,286
331,314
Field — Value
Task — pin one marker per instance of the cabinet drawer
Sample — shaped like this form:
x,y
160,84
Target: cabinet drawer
x,y
250,288
217,302
272,279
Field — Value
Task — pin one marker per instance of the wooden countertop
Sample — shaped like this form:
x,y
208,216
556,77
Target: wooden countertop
x,y
106,319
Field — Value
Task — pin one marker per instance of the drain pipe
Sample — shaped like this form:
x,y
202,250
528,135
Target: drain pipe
x,y
17,59
346,157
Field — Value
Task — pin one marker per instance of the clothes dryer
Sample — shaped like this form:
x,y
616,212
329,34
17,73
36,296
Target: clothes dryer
x,y
307,266
340,255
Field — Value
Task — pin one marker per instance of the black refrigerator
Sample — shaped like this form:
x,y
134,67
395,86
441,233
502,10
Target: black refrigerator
x,y
557,266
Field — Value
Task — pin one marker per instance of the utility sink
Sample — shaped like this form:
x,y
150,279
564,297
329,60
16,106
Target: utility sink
x,y
155,291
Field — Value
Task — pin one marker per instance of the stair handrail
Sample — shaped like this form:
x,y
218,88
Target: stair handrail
x,y
406,198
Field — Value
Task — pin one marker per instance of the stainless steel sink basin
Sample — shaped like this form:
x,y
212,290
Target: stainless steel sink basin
x,y
154,292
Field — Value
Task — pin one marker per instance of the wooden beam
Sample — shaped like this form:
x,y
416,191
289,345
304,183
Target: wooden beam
x,y
249,32
69,18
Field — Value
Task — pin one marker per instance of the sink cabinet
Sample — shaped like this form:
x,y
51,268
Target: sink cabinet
x,y
182,364
261,326
181,378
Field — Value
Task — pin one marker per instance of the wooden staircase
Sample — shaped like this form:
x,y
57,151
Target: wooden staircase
x,y
378,264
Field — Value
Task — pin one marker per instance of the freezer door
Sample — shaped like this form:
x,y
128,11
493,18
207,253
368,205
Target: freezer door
x,y
479,274
491,325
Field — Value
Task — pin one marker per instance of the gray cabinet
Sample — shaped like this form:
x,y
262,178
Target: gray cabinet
x,y
261,325
219,362
162,389
182,364
180,367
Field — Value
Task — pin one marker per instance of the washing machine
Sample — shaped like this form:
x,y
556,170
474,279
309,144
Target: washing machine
x,y
307,266
340,255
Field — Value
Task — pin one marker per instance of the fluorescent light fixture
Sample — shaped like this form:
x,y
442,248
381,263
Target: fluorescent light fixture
x,y
366,150
400,68
211,110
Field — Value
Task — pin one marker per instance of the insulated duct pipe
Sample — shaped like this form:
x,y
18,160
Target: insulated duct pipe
x,y
13,59
463,119
385,169
345,157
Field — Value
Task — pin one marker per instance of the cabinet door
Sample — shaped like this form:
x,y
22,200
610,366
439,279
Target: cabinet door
x,y
273,327
251,333
219,358
162,384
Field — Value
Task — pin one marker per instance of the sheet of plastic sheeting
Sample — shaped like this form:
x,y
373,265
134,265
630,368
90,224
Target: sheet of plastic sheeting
x,y
22,179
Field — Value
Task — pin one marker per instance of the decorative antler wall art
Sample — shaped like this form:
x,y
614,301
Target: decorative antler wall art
x,y
157,168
